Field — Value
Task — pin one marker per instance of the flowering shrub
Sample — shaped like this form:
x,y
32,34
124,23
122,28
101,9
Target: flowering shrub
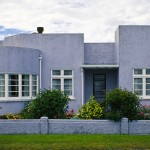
x,y
91,110
70,114
10,116
144,112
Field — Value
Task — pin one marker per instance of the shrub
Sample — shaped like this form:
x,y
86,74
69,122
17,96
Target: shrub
x,y
121,103
70,114
10,116
50,103
144,112
91,110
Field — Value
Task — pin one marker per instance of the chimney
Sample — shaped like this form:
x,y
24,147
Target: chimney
x,y
40,29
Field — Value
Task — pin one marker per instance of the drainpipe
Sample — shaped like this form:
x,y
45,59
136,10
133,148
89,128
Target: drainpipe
x,y
40,59
82,78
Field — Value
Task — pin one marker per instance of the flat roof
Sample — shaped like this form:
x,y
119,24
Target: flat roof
x,y
100,66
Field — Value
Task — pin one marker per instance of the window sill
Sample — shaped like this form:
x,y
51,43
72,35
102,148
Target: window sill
x,y
14,99
72,98
144,97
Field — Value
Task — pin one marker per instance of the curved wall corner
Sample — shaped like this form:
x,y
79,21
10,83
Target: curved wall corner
x,y
19,60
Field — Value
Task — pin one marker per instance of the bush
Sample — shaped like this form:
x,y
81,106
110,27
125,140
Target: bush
x,y
121,103
144,112
50,103
10,116
91,110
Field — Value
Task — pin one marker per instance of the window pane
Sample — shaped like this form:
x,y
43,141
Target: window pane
x,y
147,92
2,88
138,80
68,92
147,80
56,84
2,82
2,94
34,82
13,77
67,72
25,85
138,71
13,87
148,71
2,76
34,77
68,86
25,93
138,86
25,77
56,72
25,88
34,88
34,93
13,94
34,85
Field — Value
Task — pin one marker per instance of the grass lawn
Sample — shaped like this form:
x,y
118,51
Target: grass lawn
x,y
73,142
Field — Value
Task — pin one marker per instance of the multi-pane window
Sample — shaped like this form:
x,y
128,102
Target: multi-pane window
x,y
18,85
13,85
34,85
141,82
62,80
2,85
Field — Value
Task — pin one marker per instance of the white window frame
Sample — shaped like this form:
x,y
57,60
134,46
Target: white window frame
x,y
62,77
143,76
20,97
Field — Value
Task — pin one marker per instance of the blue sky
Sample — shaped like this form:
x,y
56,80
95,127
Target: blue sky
x,y
97,19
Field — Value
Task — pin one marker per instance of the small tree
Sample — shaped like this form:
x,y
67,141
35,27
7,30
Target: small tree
x,y
91,110
50,103
121,103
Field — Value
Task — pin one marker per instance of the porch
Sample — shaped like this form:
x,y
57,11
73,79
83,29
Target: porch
x,y
98,80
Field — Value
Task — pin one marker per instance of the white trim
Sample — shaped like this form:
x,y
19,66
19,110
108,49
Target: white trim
x,y
62,77
20,97
100,66
40,58
143,76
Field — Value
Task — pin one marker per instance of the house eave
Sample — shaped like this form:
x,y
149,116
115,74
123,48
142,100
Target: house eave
x,y
100,66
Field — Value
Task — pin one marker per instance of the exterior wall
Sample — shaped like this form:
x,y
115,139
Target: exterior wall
x,y
134,52
139,127
111,80
18,61
99,53
84,127
69,126
59,51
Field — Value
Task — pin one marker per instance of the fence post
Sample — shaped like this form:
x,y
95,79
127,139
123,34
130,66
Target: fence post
x,y
124,126
44,125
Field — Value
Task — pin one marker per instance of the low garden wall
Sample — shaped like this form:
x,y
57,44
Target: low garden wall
x,y
72,126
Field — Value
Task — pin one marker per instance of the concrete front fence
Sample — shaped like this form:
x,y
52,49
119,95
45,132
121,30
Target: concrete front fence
x,y
72,126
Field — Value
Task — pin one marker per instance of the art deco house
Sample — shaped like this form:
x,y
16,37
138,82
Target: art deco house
x,y
30,62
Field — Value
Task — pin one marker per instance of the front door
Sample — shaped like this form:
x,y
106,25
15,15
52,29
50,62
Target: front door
x,y
99,86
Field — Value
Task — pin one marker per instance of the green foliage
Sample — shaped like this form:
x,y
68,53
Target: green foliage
x,y
50,103
91,110
121,103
